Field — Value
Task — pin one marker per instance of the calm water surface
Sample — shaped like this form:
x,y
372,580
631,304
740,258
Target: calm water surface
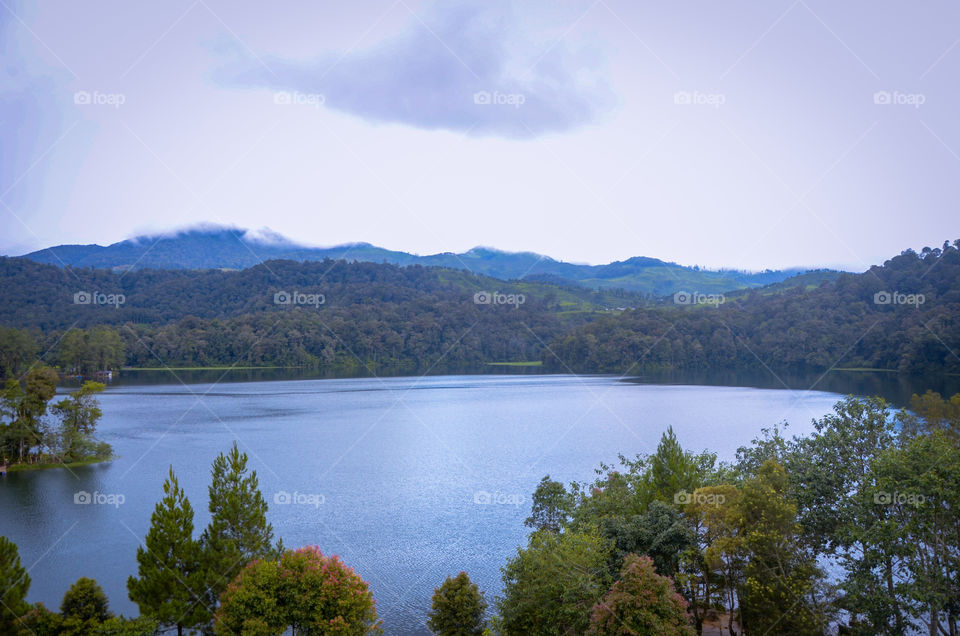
x,y
388,471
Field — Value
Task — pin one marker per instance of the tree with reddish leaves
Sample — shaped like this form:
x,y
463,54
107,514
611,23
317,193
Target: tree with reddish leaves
x,y
641,602
305,591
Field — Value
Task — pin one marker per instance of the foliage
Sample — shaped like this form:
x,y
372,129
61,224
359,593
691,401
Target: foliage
x,y
238,532
779,576
641,602
918,484
850,319
79,414
14,585
304,590
457,608
661,532
551,506
85,600
550,586
406,319
169,585
28,438
23,406
40,621
833,484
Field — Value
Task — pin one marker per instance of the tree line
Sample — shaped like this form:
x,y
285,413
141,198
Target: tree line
x,y
901,316
853,529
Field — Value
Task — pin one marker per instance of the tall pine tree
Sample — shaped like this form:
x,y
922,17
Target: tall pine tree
x,y
170,586
238,532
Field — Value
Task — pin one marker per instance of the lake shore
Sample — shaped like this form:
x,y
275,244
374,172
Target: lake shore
x,y
21,468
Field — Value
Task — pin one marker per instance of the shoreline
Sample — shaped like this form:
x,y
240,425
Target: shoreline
x,y
23,468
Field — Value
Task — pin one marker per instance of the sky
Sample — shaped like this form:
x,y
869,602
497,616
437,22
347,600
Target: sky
x,y
739,134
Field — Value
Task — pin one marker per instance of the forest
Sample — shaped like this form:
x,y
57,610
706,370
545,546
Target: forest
x,y
901,316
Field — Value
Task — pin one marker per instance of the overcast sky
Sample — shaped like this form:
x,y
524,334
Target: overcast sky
x,y
755,134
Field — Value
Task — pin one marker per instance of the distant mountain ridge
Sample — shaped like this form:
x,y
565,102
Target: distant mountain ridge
x,y
214,247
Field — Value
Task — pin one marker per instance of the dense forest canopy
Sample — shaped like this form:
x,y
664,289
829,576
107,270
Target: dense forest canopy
x,y
344,317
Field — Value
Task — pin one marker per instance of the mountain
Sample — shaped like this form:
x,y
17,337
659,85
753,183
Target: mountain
x,y
212,247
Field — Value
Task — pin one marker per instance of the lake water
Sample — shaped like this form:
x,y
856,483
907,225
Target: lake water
x,y
387,473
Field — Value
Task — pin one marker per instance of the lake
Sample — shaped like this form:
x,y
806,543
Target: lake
x,y
409,480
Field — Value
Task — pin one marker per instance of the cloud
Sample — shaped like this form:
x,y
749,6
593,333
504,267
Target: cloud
x,y
465,68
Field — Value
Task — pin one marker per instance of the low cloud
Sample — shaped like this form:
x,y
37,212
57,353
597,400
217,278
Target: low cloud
x,y
465,68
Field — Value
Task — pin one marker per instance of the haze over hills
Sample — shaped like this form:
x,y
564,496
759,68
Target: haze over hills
x,y
215,247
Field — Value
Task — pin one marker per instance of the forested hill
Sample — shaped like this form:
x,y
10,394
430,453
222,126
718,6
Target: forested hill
x,y
334,315
902,316
341,317
226,248
43,296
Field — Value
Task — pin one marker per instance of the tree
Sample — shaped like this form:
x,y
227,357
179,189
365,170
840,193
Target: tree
x,y
304,591
673,471
458,608
170,583
641,602
713,565
14,585
918,485
17,347
79,414
551,506
779,577
930,412
238,531
85,601
832,482
24,406
661,533
550,586
97,349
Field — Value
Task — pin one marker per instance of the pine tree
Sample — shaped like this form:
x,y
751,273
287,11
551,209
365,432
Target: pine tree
x,y
238,532
170,586
458,608
14,584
